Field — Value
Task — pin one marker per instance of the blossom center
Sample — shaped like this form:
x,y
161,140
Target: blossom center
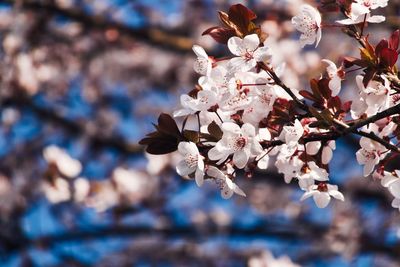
x,y
191,160
322,187
240,143
248,55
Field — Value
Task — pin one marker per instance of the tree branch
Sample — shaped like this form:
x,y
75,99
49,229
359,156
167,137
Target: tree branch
x,y
155,36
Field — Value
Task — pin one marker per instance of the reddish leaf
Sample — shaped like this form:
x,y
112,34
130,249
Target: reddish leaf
x,y
382,44
389,57
394,40
346,106
220,34
351,61
308,95
241,16
315,89
335,103
323,85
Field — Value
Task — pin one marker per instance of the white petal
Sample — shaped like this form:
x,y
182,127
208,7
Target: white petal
x,y
307,195
215,154
183,169
387,180
368,168
326,155
376,19
394,188
336,194
251,42
199,177
263,163
335,85
235,45
321,199
240,158
312,148
231,127
396,203
248,130
199,51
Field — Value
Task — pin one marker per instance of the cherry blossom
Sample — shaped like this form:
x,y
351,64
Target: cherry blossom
x,y
322,194
360,11
291,134
205,99
239,141
289,166
192,162
374,97
203,63
226,185
308,22
396,203
392,182
370,154
248,52
335,75
312,172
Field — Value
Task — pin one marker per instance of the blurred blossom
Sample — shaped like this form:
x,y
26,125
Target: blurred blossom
x,y
134,186
27,73
66,165
9,116
103,196
12,43
157,163
56,191
266,259
81,189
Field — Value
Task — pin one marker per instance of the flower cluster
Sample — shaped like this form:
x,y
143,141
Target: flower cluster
x,y
246,114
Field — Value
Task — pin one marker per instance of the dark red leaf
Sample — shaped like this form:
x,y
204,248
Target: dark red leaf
x,y
167,124
220,34
352,61
241,16
388,57
382,44
308,95
346,106
394,40
323,85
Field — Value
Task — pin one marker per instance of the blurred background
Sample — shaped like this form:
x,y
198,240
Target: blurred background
x,y
81,81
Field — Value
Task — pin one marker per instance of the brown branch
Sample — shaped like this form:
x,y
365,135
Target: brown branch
x,y
74,127
383,114
155,36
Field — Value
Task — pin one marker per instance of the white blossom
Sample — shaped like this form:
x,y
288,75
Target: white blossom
x,y
392,182
226,185
335,76
239,141
322,194
291,134
370,154
248,52
308,22
203,64
192,162
360,11
312,173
